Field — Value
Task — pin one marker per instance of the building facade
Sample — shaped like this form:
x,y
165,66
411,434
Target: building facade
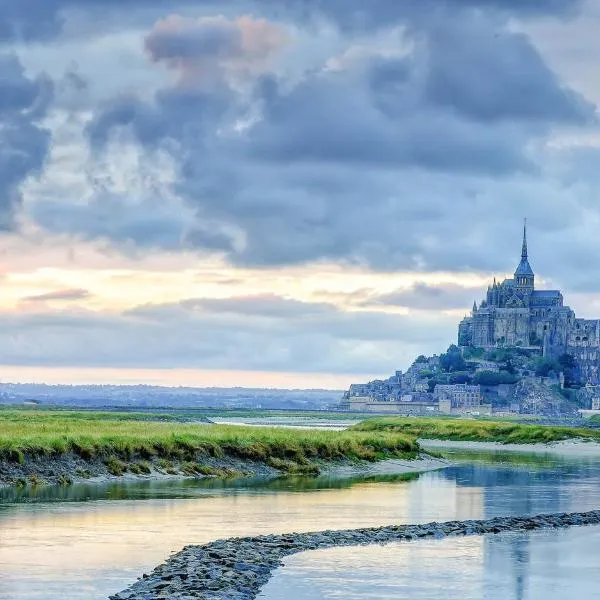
x,y
514,313
457,397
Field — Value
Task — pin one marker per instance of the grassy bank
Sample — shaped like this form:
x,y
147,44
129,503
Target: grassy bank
x,y
475,430
130,444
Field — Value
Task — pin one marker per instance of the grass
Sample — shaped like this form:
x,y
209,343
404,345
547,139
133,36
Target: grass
x,y
121,441
177,414
475,430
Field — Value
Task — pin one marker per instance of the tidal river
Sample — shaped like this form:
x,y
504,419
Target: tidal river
x,y
86,542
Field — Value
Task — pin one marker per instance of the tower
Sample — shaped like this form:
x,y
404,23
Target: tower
x,y
524,277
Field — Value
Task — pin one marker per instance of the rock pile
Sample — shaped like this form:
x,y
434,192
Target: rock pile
x,y
236,568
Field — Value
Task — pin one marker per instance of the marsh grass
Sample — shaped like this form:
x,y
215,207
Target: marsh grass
x,y
475,430
121,441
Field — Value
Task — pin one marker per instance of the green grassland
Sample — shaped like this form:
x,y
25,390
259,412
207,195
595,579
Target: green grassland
x,y
179,414
475,430
122,439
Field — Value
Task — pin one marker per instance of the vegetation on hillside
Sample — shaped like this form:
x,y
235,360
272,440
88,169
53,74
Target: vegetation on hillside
x,y
511,364
475,430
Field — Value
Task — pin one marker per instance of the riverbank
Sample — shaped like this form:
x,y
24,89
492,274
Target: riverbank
x,y
572,448
65,447
239,567
474,430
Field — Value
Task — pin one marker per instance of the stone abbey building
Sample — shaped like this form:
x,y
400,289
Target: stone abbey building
x,y
514,313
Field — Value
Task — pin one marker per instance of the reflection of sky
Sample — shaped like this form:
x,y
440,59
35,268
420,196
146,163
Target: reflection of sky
x,y
546,565
108,541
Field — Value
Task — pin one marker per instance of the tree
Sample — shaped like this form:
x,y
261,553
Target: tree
x,y
473,352
452,360
421,359
543,366
569,367
534,340
493,378
460,377
567,361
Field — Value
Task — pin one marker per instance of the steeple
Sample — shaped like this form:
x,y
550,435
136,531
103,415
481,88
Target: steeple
x,y
524,277
475,306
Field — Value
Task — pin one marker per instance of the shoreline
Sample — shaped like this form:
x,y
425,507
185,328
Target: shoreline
x,y
239,567
573,447
71,469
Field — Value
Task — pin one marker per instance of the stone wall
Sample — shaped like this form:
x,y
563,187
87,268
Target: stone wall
x,y
400,408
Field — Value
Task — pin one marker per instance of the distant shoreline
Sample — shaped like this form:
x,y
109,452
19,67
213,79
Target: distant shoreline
x,y
574,447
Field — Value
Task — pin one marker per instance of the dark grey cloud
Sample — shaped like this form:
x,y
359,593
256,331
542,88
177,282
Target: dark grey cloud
x,y
61,295
333,118
497,76
176,38
44,19
356,15
133,225
426,161
186,335
383,161
425,296
24,143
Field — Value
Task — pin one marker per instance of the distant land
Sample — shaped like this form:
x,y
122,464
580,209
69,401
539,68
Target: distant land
x,y
150,396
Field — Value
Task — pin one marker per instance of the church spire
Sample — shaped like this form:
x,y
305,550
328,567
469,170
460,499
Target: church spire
x,y
524,277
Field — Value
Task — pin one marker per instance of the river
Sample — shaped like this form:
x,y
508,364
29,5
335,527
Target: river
x,y
91,541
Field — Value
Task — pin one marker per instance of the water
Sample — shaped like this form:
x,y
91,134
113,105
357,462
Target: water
x,y
544,565
91,541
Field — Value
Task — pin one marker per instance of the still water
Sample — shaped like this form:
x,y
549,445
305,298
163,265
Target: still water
x,y
544,565
91,541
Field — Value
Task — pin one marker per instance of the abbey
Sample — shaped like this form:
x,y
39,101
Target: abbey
x,y
514,313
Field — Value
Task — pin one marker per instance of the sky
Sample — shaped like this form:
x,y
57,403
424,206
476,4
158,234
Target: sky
x,y
284,193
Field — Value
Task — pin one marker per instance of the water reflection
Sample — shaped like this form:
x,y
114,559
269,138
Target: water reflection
x,y
187,488
546,565
89,541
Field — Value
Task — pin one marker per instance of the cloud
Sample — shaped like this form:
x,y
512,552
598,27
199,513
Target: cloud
x,y
198,47
504,80
355,15
24,143
389,135
59,295
261,305
46,19
379,161
424,296
213,334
